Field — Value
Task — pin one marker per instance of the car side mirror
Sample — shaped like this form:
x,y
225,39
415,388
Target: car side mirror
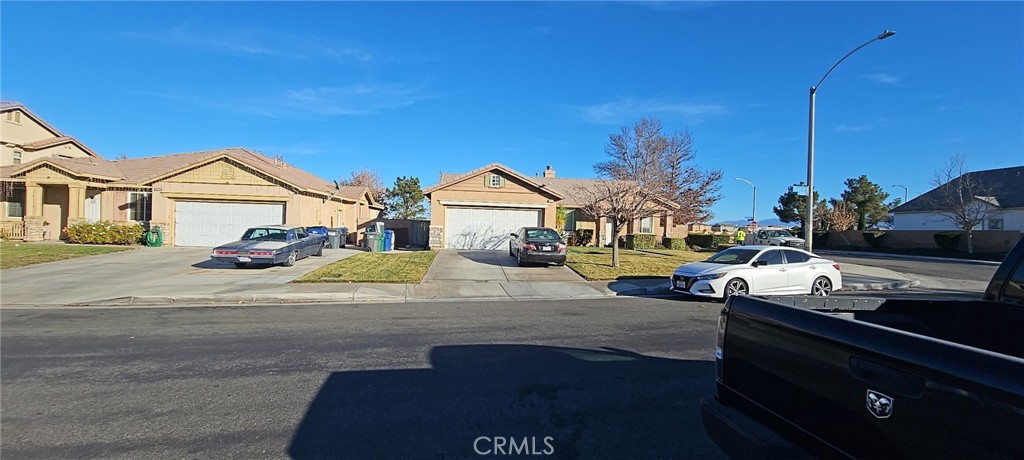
x,y
760,263
513,235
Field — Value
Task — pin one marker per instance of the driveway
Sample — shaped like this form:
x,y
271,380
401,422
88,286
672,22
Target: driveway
x,y
167,271
491,266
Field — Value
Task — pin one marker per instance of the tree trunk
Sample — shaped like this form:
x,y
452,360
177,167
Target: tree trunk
x,y
615,245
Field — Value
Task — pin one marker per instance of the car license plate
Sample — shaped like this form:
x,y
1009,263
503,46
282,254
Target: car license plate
x,y
545,248
244,259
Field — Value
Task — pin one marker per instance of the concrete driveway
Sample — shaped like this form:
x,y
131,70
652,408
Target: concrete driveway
x,y
491,266
167,271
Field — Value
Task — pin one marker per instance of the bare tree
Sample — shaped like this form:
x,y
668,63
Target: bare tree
x,y
646,172
366,178
962,199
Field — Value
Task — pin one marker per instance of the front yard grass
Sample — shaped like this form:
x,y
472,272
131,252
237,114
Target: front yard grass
x,y
22,254
595,264
374,267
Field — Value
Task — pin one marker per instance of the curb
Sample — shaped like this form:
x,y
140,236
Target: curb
x,y
887,286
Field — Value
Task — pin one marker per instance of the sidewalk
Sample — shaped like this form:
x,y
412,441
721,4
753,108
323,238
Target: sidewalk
x,y
855,277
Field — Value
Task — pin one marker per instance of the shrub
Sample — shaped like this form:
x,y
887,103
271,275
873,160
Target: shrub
x,y
947,240
820,239
874,239
707,240
640,241
104,232
582,237
674,243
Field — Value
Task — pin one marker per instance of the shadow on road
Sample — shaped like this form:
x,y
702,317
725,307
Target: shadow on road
x,y
214,265
565,402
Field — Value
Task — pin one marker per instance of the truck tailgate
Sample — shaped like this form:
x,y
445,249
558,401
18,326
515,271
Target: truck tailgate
x,y
869,390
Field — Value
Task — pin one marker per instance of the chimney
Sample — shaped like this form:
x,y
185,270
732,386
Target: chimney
x,y
549,172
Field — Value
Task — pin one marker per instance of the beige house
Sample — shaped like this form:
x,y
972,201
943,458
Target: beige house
x,y
478,209
197,199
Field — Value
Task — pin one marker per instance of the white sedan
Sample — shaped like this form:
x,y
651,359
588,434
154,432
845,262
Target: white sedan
x,y
758,270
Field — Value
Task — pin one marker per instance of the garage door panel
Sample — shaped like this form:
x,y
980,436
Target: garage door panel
x,y
208,224
486,228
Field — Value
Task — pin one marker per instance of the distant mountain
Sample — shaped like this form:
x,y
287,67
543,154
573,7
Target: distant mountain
x,y
773,222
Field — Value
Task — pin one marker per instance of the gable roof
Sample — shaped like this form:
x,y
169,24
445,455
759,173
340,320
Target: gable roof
x,y
1006,187
58,137
452,179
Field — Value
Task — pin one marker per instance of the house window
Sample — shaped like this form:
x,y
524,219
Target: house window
x,y
14,116
570,220
15,203
17,157
995,224
494,181
647,225
140,206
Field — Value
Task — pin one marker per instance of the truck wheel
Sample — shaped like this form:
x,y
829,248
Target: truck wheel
x,y
822,287
736,286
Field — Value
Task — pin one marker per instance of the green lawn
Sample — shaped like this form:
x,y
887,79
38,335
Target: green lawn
x,y
595,263
21,254
374,267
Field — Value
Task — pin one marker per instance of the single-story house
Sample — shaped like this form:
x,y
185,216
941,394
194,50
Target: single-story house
x,y
1003,203
478,209
49,180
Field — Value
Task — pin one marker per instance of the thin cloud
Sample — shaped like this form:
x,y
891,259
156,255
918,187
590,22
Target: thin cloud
x,y
885,78
853,128
629,108
307,102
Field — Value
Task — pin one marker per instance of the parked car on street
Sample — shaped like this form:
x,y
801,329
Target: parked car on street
x,y
270,244
773,237
537,245
758,270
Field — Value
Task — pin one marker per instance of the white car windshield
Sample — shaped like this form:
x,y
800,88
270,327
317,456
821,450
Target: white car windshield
x,y
733,256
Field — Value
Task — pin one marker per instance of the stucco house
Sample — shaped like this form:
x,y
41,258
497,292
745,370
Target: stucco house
x,y
49,180
1003,204
478,209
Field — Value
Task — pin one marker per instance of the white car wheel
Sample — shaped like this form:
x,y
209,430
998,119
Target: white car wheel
x,y
822,287
736,286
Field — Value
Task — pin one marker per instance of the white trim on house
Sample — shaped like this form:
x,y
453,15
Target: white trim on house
x,y
493,204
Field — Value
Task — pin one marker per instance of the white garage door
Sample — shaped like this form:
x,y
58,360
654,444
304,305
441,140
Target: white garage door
x,y
486,228
210,224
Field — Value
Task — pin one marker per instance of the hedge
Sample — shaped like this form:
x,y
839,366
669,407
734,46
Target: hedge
x,y
947,240
874,239
674,243
104,232
707,240
581,237
640,241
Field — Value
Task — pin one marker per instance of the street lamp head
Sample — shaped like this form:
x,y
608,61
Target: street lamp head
x,y
888,33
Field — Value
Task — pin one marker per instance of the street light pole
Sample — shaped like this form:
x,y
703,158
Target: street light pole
x,y
753,210
809,221
904,191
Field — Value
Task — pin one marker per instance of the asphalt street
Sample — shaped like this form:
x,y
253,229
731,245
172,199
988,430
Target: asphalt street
x,y
597,378
963,270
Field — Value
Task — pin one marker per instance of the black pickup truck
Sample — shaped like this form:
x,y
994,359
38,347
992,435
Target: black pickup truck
x,y
801,377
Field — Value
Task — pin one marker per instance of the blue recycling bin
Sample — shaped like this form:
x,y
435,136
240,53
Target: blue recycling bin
x,y
389,240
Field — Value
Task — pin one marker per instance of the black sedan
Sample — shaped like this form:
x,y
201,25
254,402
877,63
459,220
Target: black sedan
x,y
537,244
270,244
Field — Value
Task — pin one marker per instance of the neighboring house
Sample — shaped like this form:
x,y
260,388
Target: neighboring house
x,y
698,228
724,228
1004,203
478,209
197,199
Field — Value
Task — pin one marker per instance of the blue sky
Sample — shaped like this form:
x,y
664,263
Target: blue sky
x,y
415,89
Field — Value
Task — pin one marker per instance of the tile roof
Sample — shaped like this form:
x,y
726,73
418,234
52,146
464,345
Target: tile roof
x,y
1005,187
50,142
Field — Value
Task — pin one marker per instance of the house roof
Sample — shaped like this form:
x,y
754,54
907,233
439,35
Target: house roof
x,y
58,137
1005,189
452,179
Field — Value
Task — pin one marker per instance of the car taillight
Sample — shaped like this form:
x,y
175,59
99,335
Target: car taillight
x,y
261,253
530,247
723,319
837,266
224,252
561,247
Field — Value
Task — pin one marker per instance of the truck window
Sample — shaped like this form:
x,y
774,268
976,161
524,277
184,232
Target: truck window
x,y
1015,285
772,257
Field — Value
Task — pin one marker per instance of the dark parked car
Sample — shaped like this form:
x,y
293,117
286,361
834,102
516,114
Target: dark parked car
x,y
270,244
537,244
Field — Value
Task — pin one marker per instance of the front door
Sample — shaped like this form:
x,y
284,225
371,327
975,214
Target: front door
x,y
92,206
772,277
608,237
